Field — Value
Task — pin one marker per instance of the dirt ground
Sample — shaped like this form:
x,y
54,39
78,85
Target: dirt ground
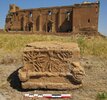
x,y
95,81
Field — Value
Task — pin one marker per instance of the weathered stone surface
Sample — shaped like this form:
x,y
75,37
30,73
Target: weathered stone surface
x,y
2,97
51,66
73,18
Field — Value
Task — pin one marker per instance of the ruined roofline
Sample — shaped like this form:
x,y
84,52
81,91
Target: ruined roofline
x,y
58,7
88,3
43,8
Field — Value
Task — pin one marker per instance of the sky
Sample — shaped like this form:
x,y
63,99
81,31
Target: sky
x,y
25,4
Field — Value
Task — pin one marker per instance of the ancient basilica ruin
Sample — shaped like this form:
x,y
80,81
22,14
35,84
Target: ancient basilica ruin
x,y
73,18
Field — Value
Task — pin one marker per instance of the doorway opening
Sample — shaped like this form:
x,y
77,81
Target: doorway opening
x,y
49,26
30,26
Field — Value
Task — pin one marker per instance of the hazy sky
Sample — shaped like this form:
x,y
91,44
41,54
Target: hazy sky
x,y
4,7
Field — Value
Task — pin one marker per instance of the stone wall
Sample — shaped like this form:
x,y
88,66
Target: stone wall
x,y
54,19
85,17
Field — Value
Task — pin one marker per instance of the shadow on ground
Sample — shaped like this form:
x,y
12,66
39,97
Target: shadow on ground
x,y
15,83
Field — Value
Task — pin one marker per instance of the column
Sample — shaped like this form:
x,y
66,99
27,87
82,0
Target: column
x,y
24,23
40,22
59,20
54,22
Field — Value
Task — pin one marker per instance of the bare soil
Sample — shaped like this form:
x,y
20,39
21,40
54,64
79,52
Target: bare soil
x,y
94,82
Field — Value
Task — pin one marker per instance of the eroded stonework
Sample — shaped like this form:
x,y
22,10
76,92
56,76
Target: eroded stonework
x,y
51,66
79,17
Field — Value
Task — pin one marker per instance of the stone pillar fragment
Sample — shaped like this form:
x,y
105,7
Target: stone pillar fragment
x,y
24,23
60,19
40,22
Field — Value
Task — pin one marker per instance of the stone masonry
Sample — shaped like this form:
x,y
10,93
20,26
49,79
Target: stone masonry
x,y
74,18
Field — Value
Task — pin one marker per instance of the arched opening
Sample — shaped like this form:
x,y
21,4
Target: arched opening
x,y
66,26
68,15
22,24
49,26
89,20
49,13
30,26
30,15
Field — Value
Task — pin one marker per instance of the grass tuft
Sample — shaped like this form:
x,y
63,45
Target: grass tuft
x,y
102,96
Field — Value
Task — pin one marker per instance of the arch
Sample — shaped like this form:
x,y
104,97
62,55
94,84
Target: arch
x,y
49,26
30,26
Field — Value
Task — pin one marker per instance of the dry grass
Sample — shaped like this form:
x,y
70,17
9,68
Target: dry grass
x,y
14,44
102,96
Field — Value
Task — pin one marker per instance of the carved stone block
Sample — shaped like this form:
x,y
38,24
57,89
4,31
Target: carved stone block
x,y
51,65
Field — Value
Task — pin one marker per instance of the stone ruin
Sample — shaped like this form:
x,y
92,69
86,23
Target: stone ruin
x,y
51,65
71,19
